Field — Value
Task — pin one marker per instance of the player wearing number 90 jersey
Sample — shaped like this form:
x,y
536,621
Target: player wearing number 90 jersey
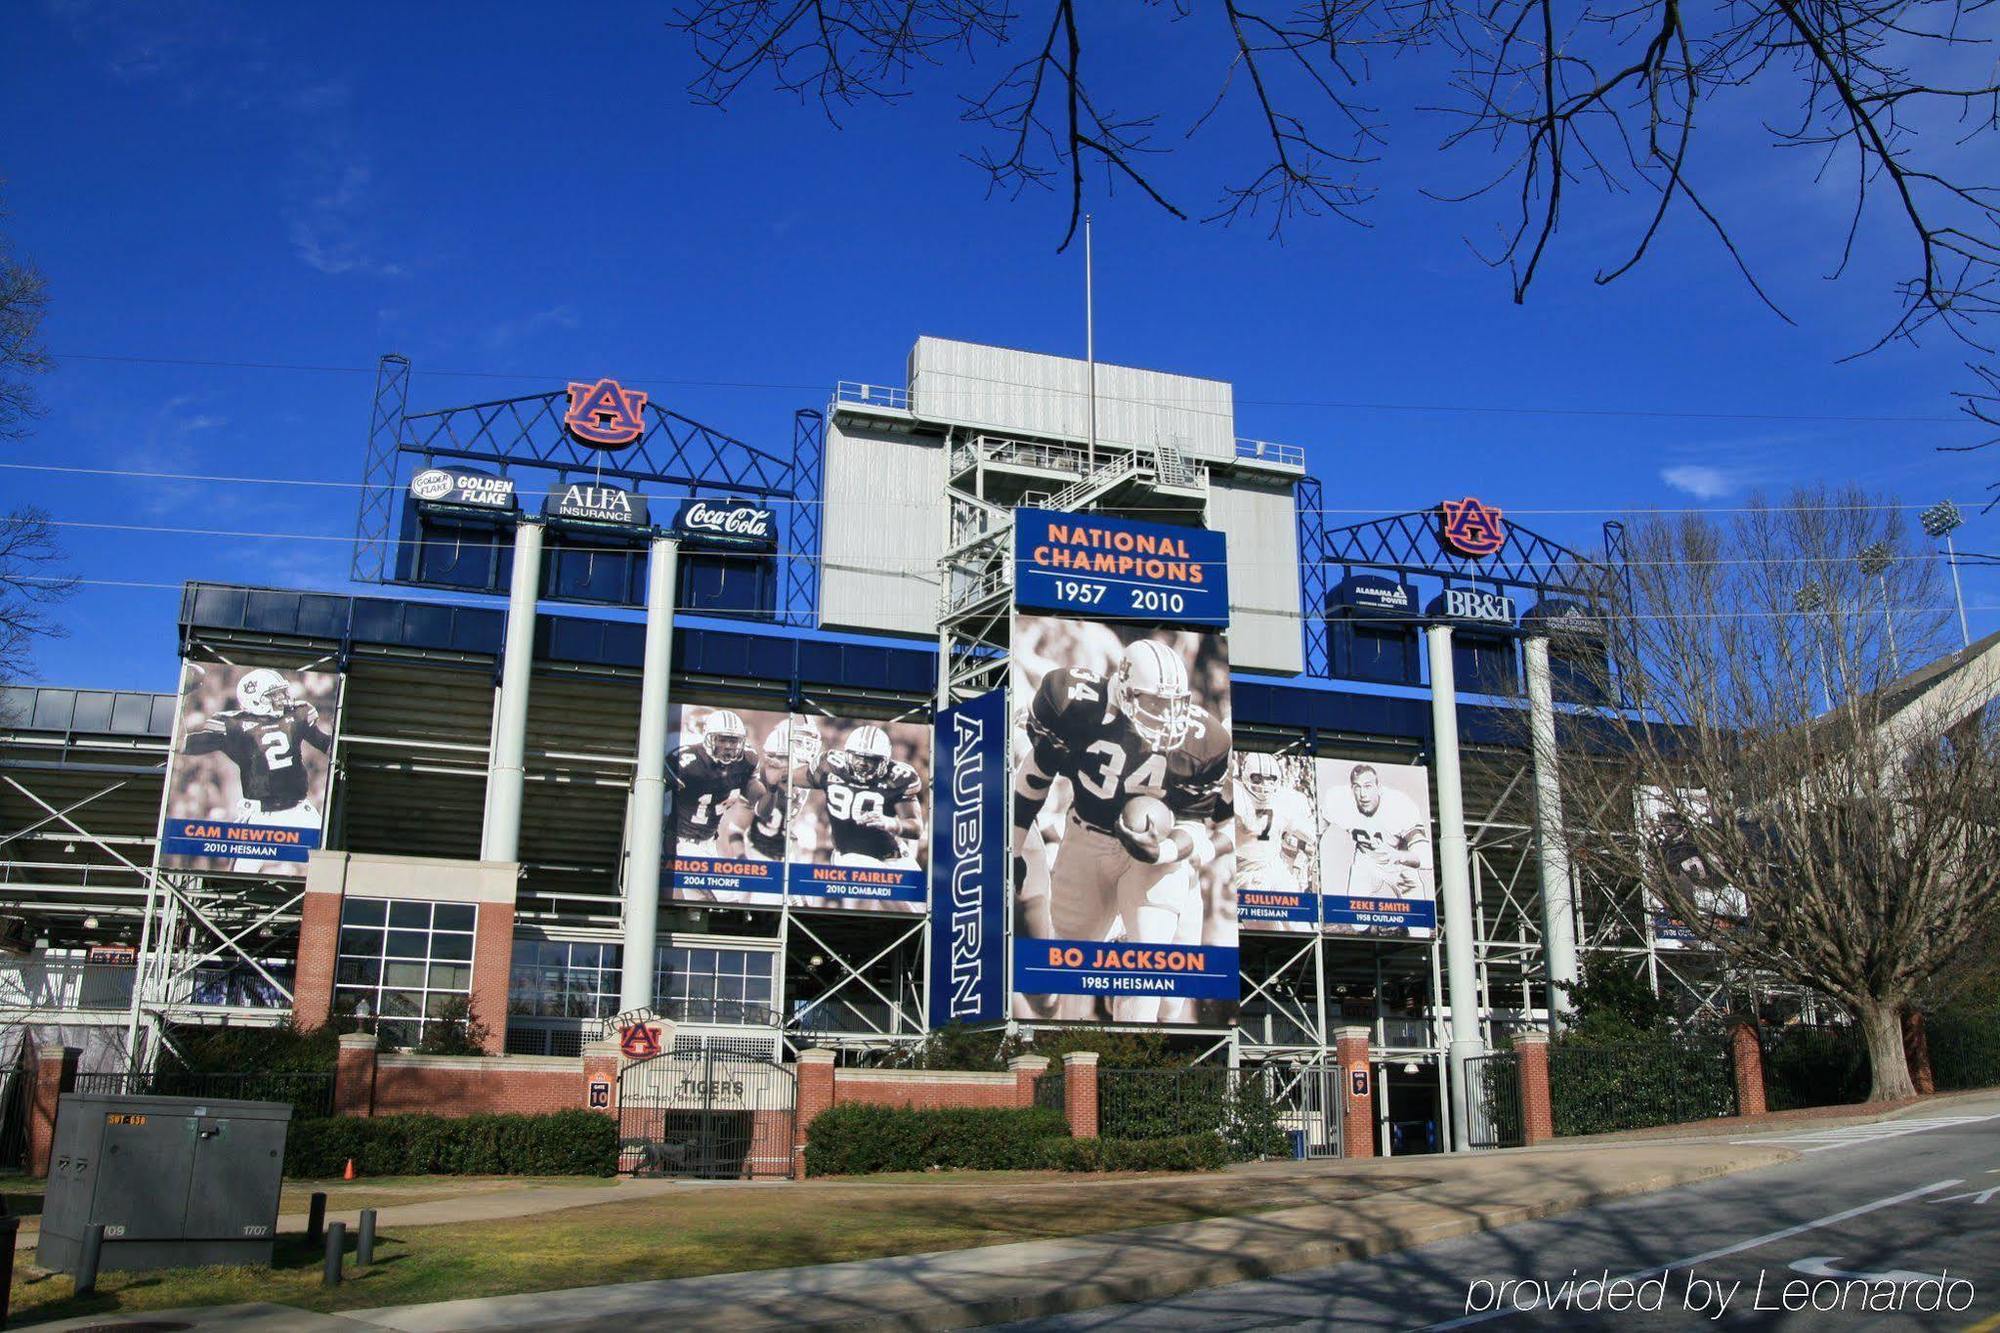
x,y
872,800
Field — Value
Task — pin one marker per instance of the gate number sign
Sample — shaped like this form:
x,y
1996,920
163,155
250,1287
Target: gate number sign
x,y
1357,1081
600,1094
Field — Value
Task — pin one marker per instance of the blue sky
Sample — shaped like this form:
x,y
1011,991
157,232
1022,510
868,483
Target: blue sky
x,y
531,195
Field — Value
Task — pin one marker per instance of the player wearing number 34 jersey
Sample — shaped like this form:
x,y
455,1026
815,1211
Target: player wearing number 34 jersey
x,y
1138,733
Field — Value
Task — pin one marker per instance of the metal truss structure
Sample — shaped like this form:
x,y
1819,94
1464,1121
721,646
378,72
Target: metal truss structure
x,y
679,455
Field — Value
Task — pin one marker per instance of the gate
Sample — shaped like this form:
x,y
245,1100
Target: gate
x,y
1310,1101
1493,1101
716,1114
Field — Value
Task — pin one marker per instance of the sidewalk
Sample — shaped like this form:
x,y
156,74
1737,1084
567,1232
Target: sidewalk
x,y
1407,1201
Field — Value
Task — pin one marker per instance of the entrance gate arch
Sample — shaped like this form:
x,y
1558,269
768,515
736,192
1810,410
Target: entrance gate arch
x,y
710,1113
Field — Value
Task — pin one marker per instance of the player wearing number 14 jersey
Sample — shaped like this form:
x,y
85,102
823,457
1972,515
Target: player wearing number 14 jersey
x,y
1138,733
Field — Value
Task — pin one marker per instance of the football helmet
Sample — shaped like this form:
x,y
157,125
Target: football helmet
x,y
723,736
867,752
264,692
1150,687
793,742
1261,777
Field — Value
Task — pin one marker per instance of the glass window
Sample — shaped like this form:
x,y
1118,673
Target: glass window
x,y
456,948
575,979
386,973
362,911
455,916
410,916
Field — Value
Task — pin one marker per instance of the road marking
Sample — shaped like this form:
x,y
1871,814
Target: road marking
x,y
1850,1135
1821,1265
1709,1256
1986,1325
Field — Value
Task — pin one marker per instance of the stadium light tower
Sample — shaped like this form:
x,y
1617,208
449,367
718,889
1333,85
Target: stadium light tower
x,y
1940,520
1809,597
1875,561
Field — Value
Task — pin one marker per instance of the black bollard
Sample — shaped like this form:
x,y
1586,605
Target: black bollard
x,y
336,1250
86,1264
364,1244
10,1228
315,1218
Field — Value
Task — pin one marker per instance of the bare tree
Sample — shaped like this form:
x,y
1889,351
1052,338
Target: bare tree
x,y
1776,780
30,581
1618,99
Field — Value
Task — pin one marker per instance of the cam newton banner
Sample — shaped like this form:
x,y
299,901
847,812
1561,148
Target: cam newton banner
x,y
252,760
969,894
831,811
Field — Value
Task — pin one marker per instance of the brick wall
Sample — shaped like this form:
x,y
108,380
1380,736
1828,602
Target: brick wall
x,y
477,1085
925,1090
319,942
1538,1124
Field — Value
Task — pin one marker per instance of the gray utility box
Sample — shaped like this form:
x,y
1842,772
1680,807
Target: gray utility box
x,y
175,1181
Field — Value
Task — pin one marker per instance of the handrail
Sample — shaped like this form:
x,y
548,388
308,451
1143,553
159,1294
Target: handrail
x,y
1267,451
872,395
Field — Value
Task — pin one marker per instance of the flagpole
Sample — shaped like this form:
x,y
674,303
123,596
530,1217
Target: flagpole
x,y
1090,341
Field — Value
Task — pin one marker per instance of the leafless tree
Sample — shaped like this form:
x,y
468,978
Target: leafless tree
x,y
1562,100
30,580
1776,779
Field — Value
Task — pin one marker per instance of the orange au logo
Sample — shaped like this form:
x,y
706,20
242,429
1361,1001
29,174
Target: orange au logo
x,y
1471,527
636,1041
605,415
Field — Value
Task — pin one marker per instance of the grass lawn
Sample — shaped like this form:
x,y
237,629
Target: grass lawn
x,y
699,1230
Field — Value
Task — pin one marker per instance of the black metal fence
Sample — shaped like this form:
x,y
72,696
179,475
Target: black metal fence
x,y
1814,1065
1602,1089
1051,1091
1493,1101
311,1095
1964,1051
1245,1106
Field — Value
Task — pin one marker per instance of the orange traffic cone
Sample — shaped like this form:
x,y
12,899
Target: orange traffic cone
x,y
348,1174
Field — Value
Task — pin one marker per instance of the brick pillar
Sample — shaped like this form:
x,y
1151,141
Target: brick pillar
x,y
1538,1116
1917,1051
319,942
601,1063
1747,1055
816,1086
354,1075
1027,1068
1357,1109
55,1074
492,971
1080,1093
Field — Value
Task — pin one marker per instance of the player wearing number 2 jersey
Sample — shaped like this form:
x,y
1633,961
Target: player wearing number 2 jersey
x,y
1138,733
264,736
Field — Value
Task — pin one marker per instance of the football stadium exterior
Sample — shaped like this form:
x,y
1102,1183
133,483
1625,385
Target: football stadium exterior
x,y
1025,693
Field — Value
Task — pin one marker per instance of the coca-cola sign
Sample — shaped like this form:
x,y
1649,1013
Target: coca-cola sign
x,y
737,524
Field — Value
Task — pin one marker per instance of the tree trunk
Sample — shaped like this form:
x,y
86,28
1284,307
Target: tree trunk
x,y
1888,1068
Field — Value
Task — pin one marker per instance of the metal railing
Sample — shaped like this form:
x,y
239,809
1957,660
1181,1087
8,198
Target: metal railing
x,y
311,1095
1493,1101
1603,1089
871,395
1051,1090
1267,451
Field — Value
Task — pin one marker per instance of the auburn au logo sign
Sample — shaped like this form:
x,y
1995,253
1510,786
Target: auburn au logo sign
x,y
637,1041
1471,527
605,415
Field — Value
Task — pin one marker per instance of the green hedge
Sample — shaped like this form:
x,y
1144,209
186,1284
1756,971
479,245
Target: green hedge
x,y
1632,1085
1814,1066
1188,1152
860,1140
566,1143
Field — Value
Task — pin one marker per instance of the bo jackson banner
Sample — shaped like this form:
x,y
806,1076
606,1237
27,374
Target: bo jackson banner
x,y
1378,871
252,760
831,810
1120,848
968,941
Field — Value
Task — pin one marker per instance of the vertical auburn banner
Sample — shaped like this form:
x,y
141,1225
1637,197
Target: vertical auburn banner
x,y
969,889
1121,847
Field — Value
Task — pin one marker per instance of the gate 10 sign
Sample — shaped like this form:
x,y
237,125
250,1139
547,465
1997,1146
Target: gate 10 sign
x,y
1110,569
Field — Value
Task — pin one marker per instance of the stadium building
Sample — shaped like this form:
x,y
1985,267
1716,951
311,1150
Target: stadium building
x,y
646,717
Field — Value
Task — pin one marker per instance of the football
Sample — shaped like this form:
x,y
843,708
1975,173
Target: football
x,y
1147,814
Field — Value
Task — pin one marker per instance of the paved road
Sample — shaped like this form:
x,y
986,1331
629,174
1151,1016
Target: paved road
x,y
1892,1202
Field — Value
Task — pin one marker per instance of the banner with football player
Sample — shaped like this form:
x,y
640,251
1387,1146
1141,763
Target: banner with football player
x,y
1276,885
834,808
1378,866
860,836
1123,827
728,804
252,759
1663,821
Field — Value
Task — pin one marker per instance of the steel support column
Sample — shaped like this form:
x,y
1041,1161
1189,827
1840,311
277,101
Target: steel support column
x,y
1454,878
1551,845
506,765
645,828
